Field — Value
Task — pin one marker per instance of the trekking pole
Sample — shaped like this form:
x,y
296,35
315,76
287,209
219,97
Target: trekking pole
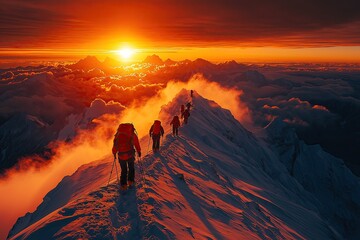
x,y
111,170
117,175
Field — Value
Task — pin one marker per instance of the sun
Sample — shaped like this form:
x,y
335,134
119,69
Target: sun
x,y
126,53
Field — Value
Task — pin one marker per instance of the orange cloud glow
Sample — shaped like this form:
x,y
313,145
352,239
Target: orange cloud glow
x,y
261,30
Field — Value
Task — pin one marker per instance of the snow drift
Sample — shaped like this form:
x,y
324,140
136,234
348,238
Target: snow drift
x,y
215,181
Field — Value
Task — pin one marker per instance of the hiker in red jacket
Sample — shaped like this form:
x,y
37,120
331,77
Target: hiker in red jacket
x,y
175,125
124,142
155,131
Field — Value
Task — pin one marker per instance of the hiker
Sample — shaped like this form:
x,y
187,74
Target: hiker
x,y
188,106
124,142
191,93
155,131
186,115
175,125
182,109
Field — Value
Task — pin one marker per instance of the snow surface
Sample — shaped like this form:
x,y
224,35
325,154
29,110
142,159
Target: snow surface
x,y
215,181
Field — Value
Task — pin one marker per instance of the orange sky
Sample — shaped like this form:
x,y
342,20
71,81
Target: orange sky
x,y
258,30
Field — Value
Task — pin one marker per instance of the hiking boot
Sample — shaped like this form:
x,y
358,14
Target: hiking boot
x,y
123,187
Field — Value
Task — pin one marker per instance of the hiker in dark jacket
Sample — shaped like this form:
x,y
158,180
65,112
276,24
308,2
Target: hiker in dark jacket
x,y
188,106
182,109
155,132
125,141
186,115
175,125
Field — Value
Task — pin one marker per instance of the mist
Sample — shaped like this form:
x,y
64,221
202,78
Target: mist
x,y
23,190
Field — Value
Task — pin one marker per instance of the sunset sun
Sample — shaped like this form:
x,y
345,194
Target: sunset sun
x,y
125,53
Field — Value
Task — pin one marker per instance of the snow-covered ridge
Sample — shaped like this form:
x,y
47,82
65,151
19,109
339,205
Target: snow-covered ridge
x,y
215,181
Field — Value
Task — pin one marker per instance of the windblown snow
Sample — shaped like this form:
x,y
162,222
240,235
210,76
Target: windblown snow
x,y
215,181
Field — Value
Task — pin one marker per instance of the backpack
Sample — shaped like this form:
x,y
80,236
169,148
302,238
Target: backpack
x,y
175,121
156,127
123,141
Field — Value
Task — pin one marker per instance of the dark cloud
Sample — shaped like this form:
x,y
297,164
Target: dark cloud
x,y
255,23
25,24
296,112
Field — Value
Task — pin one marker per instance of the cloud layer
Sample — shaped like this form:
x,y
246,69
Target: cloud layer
x,y
185,23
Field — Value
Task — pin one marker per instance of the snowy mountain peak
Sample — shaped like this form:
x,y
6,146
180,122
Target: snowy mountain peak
x,y
110,62
214,181
87,63
153,59
169,62
254,76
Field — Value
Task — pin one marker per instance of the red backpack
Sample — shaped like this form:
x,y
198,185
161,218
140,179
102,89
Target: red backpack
x,y
123,141
157,127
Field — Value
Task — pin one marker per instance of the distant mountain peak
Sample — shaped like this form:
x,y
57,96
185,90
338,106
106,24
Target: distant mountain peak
x,y
230,63
254,77
153,59
201,60
111,62
169,62
202,63
90,58
87,63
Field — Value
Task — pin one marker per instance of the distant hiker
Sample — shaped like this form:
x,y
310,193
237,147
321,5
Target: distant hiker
x,y
155,131
191,93
182,109
124,142
188,106
186,115
175,125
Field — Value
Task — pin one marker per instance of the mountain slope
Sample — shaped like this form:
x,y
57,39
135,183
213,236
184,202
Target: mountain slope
x,y
215,181
325,176
22,134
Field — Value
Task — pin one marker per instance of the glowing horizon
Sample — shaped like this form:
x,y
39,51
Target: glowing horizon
x,y
259,31
344,54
